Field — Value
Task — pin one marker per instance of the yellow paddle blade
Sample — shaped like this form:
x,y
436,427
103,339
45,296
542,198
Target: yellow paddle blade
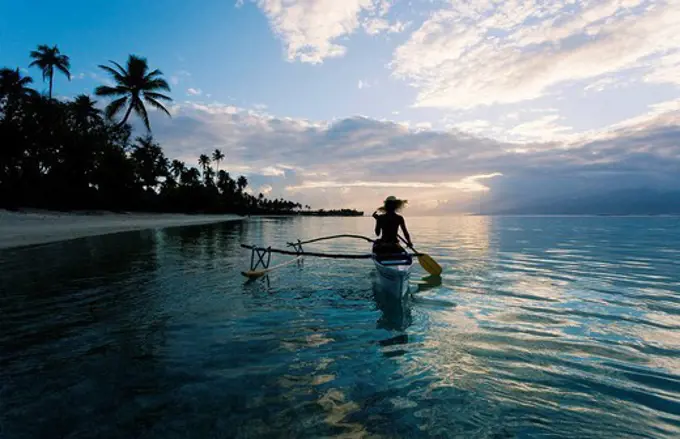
x,y
429,264
254,274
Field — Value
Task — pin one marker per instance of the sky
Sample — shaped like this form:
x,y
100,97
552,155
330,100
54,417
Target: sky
x,y
339,103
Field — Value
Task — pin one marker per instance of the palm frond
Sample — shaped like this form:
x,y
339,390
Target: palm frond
x,y
116,75
64,60
154,95
47,71
105,90
122,69
114,107
152,74
156,84
63,68
157,105
38,62
139,108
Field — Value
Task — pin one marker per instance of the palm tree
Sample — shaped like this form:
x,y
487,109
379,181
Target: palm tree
x,y
223,179
84,110
190,177
204,162
242,182
217,157
149,160
177,168
135,85
47,59
14,85
209,177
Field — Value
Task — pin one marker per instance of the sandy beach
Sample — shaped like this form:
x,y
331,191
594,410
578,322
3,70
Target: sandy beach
x,y
19,229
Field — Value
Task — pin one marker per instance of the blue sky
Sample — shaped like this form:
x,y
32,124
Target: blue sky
x,y
346,101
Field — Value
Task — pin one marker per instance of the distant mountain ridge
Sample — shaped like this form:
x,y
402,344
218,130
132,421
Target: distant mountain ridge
x,y
623,202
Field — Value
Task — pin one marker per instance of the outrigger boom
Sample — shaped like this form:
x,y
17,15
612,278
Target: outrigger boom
x,y
261,257
303,253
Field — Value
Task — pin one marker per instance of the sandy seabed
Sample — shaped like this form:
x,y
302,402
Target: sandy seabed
x,y
23,228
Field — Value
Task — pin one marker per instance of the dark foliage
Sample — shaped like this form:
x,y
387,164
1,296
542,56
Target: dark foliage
x,y
69,155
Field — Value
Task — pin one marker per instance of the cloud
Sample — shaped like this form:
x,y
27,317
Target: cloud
x,y
467,184
375,26
312,161
543,128
310,29
362,84
472,126
485,52
272,171
194,91
666,70
100,78
265,189
179,76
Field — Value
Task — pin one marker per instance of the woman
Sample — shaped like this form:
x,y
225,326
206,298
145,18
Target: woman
x,y
387,227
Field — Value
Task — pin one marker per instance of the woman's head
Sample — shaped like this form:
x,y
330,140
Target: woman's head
x,y
392,204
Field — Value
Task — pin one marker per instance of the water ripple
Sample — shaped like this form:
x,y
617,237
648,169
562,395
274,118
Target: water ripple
x,y
539,327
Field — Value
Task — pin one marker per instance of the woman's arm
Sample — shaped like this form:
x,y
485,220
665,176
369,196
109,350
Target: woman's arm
x,y
377,223
406,234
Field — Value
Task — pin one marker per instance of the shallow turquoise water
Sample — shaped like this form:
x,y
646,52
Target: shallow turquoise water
x,y
540,327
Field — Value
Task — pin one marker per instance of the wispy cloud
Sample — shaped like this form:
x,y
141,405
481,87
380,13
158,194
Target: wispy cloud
x,y
265,189
194,91
483,52
272,171
666,70
375,26
311,29
179,76
101,78
542,129
467,184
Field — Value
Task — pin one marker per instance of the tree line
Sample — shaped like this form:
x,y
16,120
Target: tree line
x,y
68,154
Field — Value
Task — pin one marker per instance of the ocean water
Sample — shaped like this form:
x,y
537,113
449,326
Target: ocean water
x,y
540,327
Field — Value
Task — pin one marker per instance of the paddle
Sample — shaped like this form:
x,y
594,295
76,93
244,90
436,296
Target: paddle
x,y
426,261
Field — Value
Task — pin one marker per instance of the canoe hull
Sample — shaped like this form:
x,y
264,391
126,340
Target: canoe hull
x,y
394,279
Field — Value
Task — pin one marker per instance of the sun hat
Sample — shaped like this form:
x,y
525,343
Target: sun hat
x,y
398,204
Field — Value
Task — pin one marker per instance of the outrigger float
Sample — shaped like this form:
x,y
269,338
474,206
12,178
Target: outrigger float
x,y
393,269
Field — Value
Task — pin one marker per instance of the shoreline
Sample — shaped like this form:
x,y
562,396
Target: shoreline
x,y
33,227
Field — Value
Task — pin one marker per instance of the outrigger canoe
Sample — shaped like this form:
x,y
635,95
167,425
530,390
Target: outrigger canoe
x,y
394,272
393,269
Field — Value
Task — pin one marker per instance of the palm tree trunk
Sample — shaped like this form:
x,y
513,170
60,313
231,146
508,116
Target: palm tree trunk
x,y
51,78
127,115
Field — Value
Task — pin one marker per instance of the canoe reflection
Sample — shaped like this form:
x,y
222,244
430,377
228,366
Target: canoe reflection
x,y
395,312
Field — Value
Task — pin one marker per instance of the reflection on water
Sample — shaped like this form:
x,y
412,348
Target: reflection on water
x,y
396,314
539,327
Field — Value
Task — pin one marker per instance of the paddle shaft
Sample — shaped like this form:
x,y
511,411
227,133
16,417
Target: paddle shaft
x,y
425,260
